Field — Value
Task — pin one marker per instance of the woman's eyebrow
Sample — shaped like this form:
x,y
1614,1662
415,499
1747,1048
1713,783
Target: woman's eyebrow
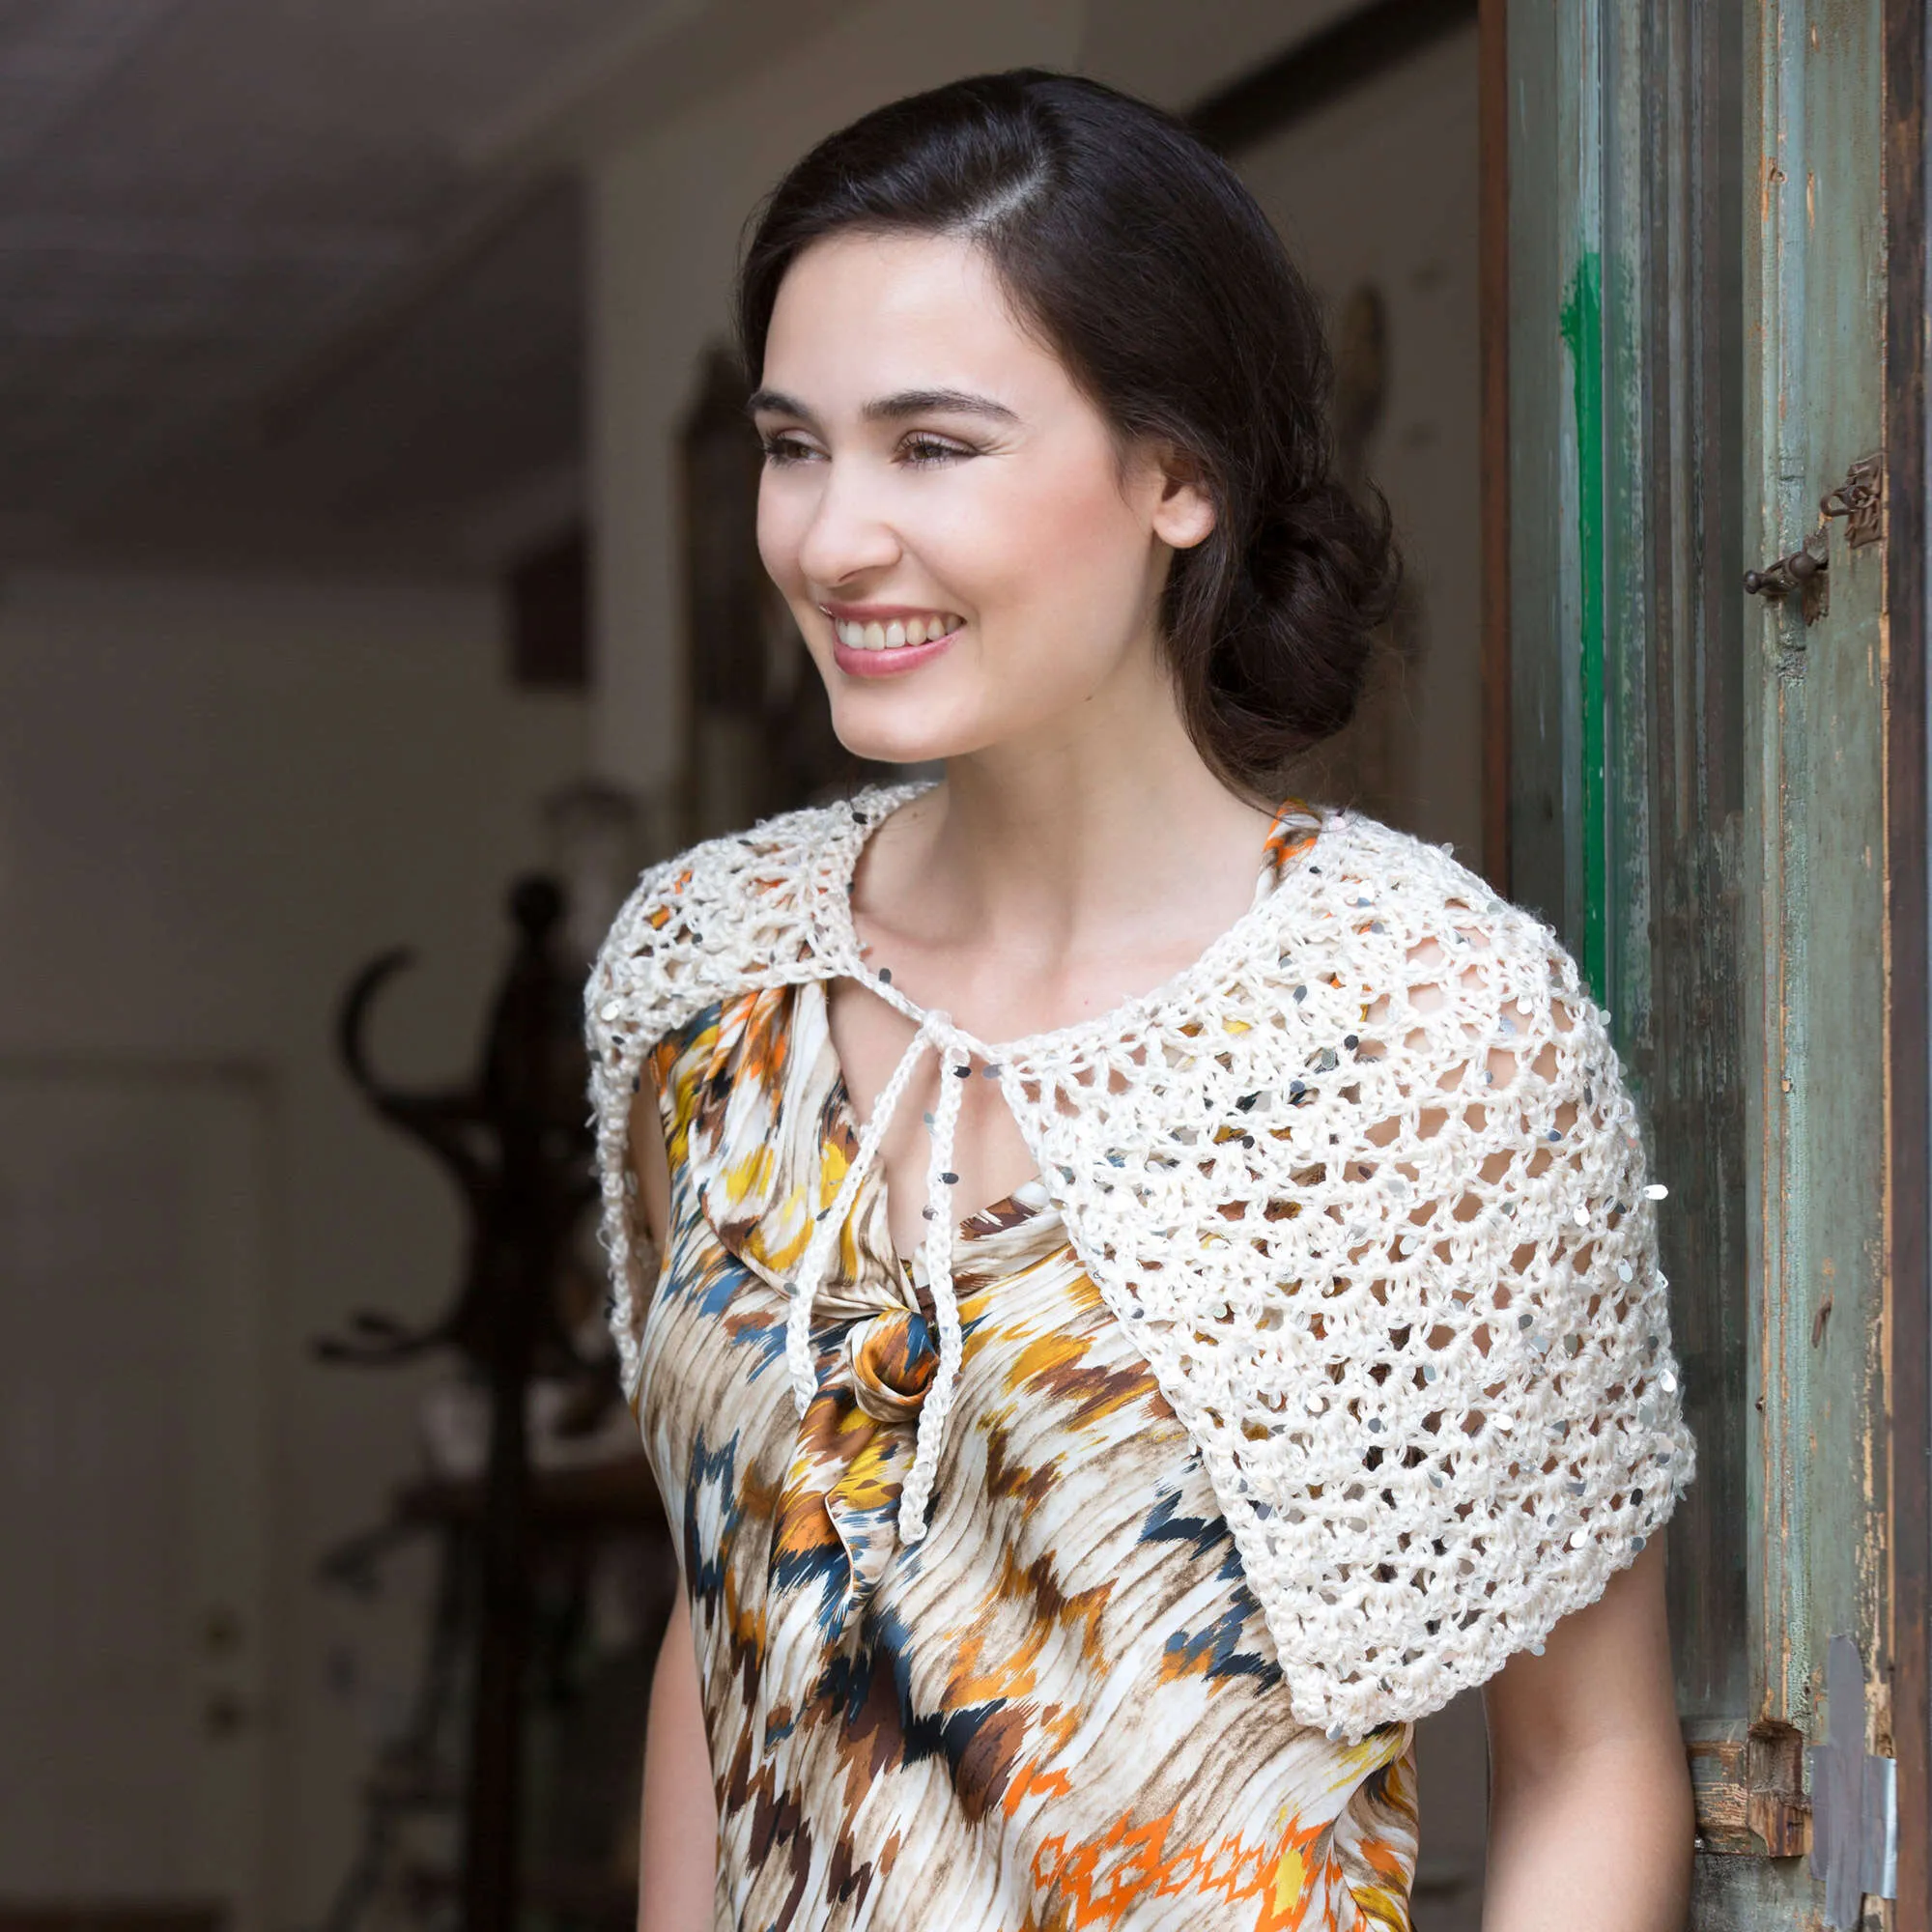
x,y
891,409
935,402
776,403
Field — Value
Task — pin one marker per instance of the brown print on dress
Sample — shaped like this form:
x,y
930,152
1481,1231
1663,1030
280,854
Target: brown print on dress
x,y
976,1678
985,1767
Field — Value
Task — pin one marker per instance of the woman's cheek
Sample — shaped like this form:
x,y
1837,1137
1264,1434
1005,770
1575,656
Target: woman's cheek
x,y
777,540
986,542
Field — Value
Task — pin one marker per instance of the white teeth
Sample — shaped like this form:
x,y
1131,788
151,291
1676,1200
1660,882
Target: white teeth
x,y
877,637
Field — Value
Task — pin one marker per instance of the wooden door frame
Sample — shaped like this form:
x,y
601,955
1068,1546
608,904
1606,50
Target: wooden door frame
x,y
1492,296
1318,70
1524,558
1908,46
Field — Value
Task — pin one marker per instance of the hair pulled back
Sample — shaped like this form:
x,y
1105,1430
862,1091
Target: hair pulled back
x,y
1138,255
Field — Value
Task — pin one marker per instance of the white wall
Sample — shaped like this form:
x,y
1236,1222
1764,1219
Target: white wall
x,y
1178,55
217,798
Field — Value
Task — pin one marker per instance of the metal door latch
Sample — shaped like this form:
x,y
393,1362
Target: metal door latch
x,y
1788,574
1854,1797
1861,500
1800,575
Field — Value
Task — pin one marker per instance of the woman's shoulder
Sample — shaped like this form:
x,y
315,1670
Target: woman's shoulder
x,y
732,872
1435,906
729,913
705,921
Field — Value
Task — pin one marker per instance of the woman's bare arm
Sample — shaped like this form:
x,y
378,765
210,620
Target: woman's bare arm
x,y
678,1834
650,1159
1590,1814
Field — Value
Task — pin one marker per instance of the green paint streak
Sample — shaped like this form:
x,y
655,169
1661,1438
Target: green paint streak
x,y
1582,321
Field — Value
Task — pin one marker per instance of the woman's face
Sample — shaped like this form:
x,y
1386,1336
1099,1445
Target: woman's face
x,y
945,511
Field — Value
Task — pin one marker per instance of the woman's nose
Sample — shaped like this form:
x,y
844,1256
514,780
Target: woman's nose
x,y
848,535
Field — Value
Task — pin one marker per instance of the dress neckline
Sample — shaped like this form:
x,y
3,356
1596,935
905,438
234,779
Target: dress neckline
x,y
1292,834
1298,830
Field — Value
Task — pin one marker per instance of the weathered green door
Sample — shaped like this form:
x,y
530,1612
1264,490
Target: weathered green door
x,y
1716,794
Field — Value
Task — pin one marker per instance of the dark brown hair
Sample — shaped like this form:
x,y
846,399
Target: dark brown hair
x,y
1140,259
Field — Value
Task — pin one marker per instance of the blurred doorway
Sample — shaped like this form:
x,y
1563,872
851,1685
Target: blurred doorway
x,y
132,1304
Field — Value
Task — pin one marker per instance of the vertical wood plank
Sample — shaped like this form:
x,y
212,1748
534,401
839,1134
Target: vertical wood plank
x,y
1816,798
1909,1241
1777,807
1680,857
1628,734
1538,628
1492,278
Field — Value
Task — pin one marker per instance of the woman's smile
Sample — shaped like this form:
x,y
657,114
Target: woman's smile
x,y
885,639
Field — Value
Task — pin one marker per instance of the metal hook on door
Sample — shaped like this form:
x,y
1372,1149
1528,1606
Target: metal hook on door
x,y
1797,575
1859,500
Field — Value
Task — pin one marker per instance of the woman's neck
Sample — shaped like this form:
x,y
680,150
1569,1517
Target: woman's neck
x,y
1109,834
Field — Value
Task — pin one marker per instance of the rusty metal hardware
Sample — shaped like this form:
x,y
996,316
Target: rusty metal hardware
x,y
1790,576
1801,574
1861,500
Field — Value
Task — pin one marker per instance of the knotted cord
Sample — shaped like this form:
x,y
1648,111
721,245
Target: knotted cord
x,y
955,1049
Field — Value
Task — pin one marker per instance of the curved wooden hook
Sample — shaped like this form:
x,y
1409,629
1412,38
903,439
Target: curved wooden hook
x,y
437,1119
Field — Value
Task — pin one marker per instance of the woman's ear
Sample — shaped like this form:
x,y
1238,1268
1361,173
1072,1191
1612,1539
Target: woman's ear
x,y
1183,513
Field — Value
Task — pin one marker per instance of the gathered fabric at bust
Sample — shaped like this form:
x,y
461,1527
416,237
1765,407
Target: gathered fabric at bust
x,y
1363,1185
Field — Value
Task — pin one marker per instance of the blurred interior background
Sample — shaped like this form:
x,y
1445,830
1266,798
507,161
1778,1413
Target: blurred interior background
x,y
375,533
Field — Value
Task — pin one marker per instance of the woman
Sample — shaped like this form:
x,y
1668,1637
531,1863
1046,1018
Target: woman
x,y
1090,1453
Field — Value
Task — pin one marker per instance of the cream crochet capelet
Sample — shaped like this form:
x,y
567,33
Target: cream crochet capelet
x,y
1362,1183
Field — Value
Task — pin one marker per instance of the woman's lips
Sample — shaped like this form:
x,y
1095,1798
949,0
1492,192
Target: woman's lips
x,y
881,646
888,663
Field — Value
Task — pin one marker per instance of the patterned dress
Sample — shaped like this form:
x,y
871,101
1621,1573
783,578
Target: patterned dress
x,y
1061,1710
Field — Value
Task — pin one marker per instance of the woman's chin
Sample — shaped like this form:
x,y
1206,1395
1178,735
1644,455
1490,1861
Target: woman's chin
x,y
909,741
896,751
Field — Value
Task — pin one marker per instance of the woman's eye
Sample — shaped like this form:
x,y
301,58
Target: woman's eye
x,y
922,449
782,447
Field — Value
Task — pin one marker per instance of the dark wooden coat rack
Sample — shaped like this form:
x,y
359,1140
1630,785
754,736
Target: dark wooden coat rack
x,y
517,1144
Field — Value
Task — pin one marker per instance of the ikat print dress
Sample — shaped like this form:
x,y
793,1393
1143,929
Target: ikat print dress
x,y
1060,1711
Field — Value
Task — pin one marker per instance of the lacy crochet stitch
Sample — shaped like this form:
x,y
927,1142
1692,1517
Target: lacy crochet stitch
x,y
1364,1186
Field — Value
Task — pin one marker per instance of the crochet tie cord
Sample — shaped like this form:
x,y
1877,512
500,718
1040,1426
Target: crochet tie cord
x,y
1362,1183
